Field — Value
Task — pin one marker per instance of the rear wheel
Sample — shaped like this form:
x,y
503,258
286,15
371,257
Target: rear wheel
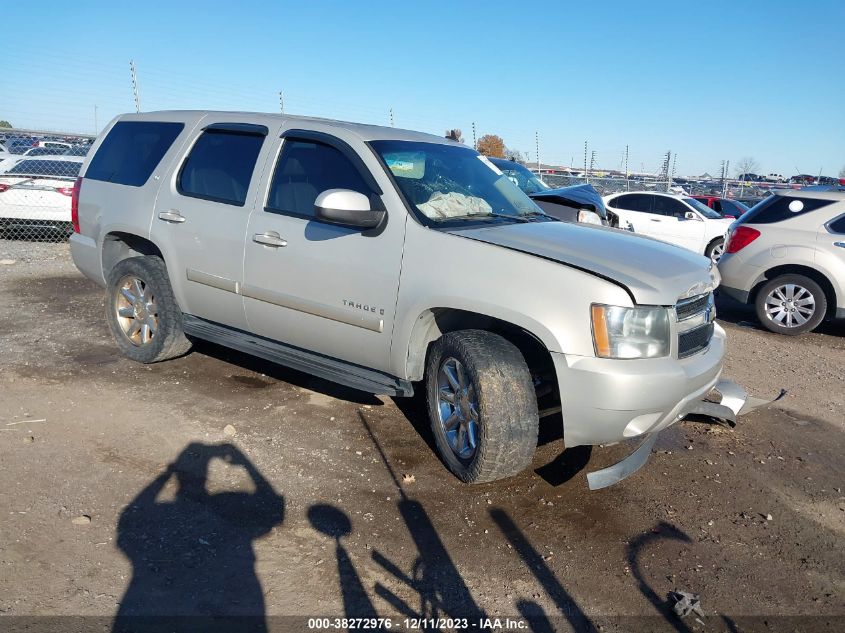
x,y
482,405
791,304
142,313
715,249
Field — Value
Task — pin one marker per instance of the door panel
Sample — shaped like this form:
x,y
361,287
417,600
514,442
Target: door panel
x,y
201,217
321,287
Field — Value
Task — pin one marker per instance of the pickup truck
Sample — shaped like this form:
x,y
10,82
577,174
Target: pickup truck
x,y
389,261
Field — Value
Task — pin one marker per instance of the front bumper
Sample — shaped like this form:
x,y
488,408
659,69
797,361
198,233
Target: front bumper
x,y
605,401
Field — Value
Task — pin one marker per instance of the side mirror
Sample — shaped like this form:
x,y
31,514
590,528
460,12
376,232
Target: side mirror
x,y
689,215
346,207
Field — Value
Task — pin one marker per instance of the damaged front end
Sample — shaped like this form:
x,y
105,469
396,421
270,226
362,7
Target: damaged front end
x,y
734,401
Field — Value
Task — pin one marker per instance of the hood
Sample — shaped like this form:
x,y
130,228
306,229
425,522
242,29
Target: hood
x,y
584,196
653,272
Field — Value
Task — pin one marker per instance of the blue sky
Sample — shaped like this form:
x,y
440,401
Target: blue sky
x,y
709,81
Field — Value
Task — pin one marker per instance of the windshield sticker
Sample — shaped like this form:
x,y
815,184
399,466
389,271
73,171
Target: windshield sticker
x,y
487,162
406,164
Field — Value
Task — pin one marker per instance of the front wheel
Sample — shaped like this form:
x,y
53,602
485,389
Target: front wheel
x,y
791,305
482,405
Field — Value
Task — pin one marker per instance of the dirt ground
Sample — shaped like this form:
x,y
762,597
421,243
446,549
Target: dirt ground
x,y
217,483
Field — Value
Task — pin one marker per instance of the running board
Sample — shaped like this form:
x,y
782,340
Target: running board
x,y
338,371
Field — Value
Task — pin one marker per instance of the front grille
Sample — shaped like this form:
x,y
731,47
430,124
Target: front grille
x,y
695,340
690,307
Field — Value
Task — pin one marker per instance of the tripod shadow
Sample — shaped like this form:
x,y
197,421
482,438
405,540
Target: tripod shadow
x,y
193,566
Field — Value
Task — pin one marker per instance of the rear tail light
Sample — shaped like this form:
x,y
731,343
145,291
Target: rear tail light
x,y
741,237
74,204
65,191
4,188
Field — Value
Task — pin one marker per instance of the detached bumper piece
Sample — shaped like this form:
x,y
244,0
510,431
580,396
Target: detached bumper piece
x,y
734,402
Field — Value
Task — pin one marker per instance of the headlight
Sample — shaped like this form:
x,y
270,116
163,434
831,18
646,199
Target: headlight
x,y
630,332
589,217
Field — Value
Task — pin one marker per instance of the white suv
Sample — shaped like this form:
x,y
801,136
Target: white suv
x,y
679,220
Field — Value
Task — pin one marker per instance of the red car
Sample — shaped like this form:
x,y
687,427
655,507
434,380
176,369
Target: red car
x,y
723,206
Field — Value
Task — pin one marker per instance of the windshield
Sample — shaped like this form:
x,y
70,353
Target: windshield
x,y
521,176
703,209
449,182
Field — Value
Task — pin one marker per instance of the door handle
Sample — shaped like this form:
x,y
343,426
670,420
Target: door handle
x,y
270,238
655,220
172,216
839,244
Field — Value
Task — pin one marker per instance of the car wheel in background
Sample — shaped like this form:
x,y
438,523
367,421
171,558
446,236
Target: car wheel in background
x,y
715,249
791,304
482,405
142,313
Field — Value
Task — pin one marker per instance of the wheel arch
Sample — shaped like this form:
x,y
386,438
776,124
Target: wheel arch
x,y
120,245
433,323
797,269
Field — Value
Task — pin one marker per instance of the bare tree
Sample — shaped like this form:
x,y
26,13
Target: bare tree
x,y
514,154
747,165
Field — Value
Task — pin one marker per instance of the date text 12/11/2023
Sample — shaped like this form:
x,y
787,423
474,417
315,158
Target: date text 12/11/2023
x,y
411,624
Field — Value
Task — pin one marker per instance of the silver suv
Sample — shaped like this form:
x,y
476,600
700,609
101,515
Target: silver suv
x,y
390,260
787,257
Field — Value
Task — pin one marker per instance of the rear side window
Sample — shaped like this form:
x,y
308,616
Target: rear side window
x,y
52,168
779,208
305,170
131,151
838,225
220,166
633,202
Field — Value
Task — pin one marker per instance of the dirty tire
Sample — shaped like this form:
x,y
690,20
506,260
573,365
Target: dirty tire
x,y
169,341
507,405
719,243
799,281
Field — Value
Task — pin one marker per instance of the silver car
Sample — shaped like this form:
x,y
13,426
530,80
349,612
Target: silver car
x,y
390,261
787,257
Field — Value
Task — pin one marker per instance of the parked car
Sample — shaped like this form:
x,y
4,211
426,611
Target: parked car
x,y
579,203
750,177
748,202
54,145
725,207
776,178
803,179
787,257
77,150
389,261
34,152
35,196
676,219
18,145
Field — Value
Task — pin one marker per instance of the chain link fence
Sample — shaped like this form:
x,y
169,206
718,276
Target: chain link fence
x,y
37,173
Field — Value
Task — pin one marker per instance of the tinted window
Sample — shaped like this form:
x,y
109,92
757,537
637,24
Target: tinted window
x,y
669,206
42,151
633,202
776,209
131,151
838,225
305,170
733,208
220,166
55,168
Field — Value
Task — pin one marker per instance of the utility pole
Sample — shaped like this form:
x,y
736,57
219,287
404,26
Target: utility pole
x,y
592,160
626,168
586,173
281,102
672,175
391,117
96,127
727,171
474,142
135,90
537,146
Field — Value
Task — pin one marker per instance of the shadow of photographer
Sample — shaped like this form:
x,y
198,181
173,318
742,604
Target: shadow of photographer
x,y
193,565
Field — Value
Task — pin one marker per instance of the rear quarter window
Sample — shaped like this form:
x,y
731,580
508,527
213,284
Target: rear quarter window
x,y
777,209
838,225
131,151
